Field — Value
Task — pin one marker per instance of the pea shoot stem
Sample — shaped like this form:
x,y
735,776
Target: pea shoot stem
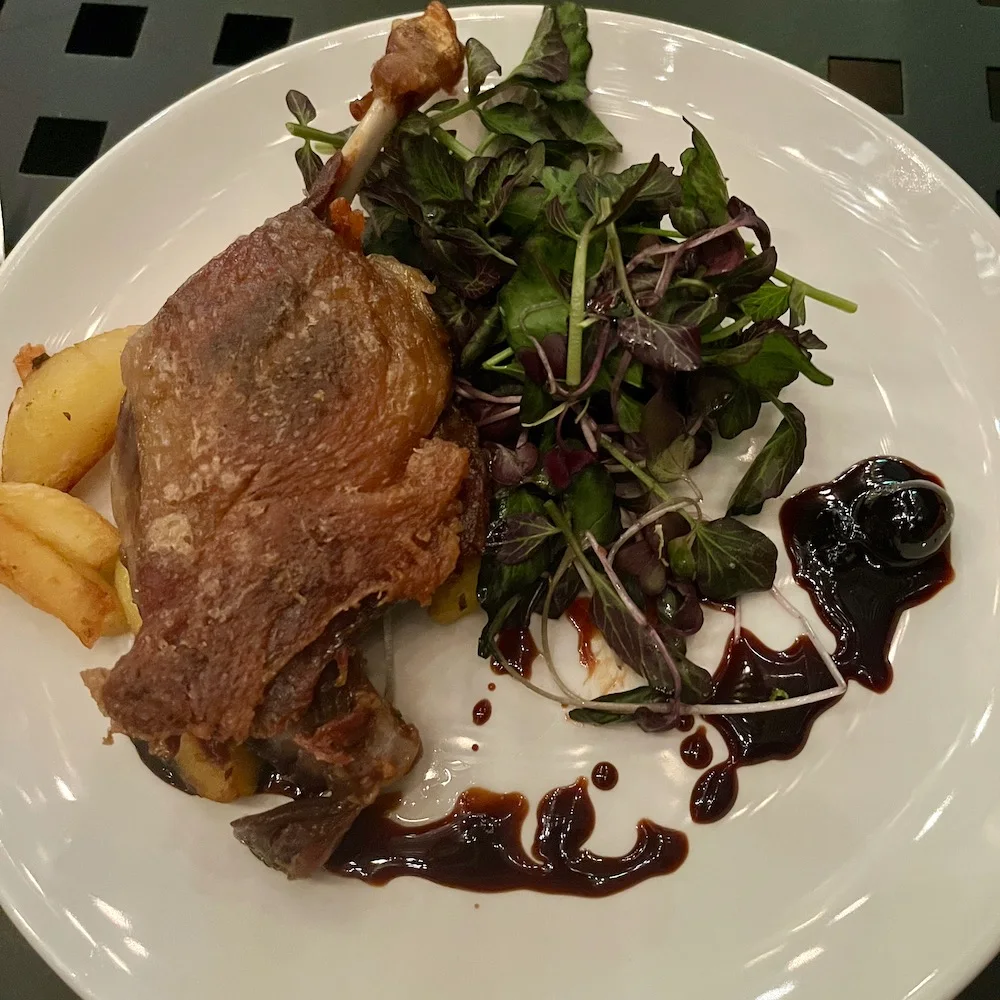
x,y
811,291
577,307
315,134
644,477
440,117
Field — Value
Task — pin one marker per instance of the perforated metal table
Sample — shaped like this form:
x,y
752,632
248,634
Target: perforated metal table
x,y
77,77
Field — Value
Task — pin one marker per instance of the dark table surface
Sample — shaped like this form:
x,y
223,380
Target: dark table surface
x,y
77,77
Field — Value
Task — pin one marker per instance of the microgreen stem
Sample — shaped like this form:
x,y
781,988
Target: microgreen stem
x,y
725,331
440,117
577,307
557,517
615,246
450,142
668,234
811,291
647,480
499,358
316,134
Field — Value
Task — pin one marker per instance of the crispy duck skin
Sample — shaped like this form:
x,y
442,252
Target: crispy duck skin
x,y
281,401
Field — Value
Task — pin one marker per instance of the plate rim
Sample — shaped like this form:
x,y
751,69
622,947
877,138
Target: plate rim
x,y
984,946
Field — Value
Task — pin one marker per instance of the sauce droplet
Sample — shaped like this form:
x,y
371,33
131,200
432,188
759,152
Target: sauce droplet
x,y
604,776
491,686
482,711
696,751
475,747
518,646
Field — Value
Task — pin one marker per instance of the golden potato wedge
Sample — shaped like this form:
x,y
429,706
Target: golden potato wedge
x,y
218,772
77,595
65,523
456,596
63,418
123,587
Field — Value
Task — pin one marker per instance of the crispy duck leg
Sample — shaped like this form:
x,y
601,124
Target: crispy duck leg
x,y
277,478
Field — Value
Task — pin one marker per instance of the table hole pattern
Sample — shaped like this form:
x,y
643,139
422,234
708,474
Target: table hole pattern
x,y
106,29
62,147
248,36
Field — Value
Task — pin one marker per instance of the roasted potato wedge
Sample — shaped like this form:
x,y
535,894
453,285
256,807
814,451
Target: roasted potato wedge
x,y
63,522
63,418
456,596
77,595
123,587
215,771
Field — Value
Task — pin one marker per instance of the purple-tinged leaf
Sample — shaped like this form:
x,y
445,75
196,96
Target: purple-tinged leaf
x,y
515,538
511,466
300,106
665,346
562,464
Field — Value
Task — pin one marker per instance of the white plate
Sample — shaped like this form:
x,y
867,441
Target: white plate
x,y
867,867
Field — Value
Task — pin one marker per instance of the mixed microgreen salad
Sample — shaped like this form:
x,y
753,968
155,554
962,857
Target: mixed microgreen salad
x,y
608,325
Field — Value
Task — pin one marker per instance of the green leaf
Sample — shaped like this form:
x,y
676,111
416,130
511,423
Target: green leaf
x,y
637,696
590,502
480,63
494,181
796,303
703,188
778,363
309,164
749,276
473,242
660,191
434,175
535,403
673,462
555,215
571,20
731,558
523,209
499,583
516,537
680,552
740,411
774,466
547,56
629,414
581,125
531,306
525,123
300,106
769,302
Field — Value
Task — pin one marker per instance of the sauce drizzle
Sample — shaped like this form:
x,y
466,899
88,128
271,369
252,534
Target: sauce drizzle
x,y
859,594
477,846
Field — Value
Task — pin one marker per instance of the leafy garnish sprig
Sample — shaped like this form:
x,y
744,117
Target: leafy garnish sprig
x,y
608,326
